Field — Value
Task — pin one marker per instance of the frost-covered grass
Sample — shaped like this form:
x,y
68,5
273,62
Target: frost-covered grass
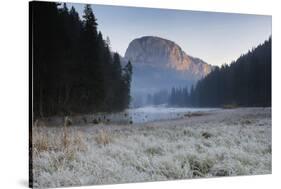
x,y
223,143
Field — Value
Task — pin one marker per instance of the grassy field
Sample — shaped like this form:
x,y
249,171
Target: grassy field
x,y
222,143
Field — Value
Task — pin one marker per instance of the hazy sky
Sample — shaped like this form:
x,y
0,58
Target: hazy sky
x,y
216,38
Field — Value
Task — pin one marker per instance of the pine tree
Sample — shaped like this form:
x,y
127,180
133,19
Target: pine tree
x,y
117,82
93,78
127,78
245,82
73,68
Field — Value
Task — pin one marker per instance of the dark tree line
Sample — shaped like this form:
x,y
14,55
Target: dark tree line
x,y
179,97
245,82
157,98
74,70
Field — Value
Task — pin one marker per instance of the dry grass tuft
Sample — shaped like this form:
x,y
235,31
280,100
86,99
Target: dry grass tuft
x,y
200,168
154,151
103,138
41,144
40,140
65,138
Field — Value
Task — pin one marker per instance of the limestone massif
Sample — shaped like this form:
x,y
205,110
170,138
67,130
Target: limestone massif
x,y
158,52
159,65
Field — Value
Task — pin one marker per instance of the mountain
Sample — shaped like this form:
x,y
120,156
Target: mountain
x,y
159,52
160,64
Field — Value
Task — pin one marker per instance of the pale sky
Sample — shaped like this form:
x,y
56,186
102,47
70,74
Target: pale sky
x,y
216,38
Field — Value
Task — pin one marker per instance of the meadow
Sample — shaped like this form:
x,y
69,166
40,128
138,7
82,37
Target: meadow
x,y
225,142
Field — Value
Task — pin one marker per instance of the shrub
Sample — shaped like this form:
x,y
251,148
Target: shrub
x,y
229,106
154,151
206,135
200,167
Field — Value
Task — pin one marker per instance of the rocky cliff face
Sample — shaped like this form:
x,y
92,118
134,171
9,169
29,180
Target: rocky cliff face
x,y
159,65
163,53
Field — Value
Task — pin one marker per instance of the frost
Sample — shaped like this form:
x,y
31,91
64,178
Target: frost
x,y
219,144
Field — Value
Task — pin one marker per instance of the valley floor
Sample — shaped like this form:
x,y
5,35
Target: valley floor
x,y
225,142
